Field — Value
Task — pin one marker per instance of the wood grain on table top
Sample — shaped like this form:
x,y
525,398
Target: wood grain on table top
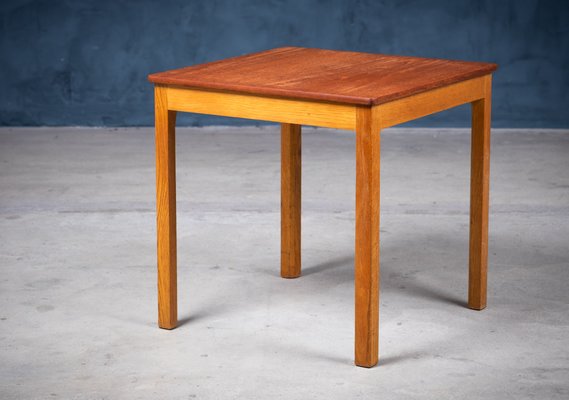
x,y
326,75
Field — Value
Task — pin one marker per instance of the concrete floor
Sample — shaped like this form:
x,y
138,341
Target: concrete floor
x,y
77,277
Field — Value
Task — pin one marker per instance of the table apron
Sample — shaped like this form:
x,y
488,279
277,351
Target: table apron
x,y
238,105
329,115
422,104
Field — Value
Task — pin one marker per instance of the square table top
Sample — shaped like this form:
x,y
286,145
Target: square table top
x,y
344,77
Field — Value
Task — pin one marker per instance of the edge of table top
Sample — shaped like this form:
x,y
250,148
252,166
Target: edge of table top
x,y
170,78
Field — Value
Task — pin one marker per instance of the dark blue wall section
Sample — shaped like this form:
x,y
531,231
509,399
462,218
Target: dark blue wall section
x,y
72,62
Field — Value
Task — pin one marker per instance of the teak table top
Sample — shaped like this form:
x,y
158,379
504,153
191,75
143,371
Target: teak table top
x,y
325,75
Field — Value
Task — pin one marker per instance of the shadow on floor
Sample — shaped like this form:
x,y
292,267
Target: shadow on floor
x,y
346,262
209,310
421,290
343,268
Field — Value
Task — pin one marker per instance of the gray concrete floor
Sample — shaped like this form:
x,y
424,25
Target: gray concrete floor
x,y
77,269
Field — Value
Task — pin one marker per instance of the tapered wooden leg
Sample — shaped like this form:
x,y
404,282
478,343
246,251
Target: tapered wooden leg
x,y
479,193
166,210
291,139
367,238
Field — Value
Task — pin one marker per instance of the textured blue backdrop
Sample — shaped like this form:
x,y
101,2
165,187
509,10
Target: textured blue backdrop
x,y
71,62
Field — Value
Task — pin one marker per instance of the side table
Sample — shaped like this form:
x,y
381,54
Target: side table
x,y
337,89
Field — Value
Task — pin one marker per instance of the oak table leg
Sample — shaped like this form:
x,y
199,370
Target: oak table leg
x,y
291,139
479,188
367,238
166,210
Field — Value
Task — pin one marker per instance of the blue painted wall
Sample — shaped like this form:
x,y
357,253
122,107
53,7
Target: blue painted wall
x,y
72,62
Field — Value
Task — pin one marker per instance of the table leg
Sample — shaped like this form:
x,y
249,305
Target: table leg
x,y
479,193
166,210
367,238
291,139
